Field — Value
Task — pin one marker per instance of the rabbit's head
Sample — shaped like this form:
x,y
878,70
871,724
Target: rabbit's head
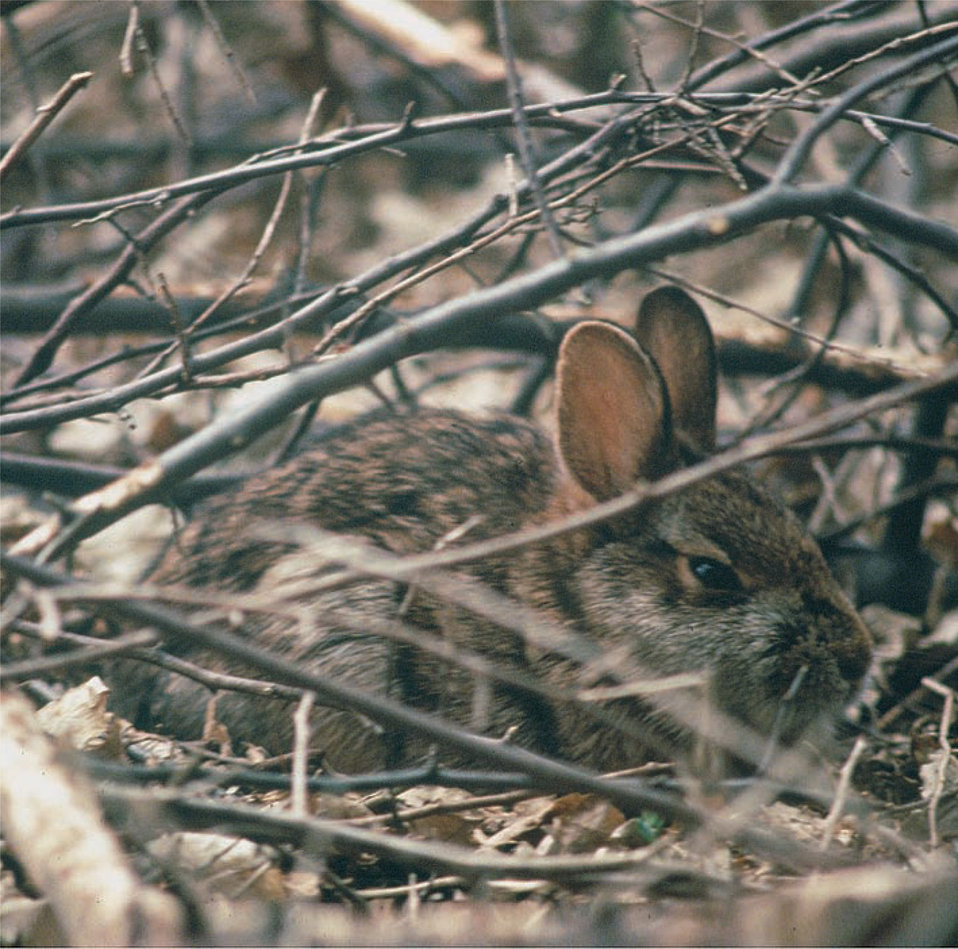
x,y
718,578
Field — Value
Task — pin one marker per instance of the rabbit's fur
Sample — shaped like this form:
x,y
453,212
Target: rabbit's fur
x,y
718,578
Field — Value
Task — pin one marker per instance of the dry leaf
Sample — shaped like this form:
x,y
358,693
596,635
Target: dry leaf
x,y
80,719
583,822
229,865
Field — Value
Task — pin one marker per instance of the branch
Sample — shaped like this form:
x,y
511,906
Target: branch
x,y
47,114
70,478
837,44
322,836
527,152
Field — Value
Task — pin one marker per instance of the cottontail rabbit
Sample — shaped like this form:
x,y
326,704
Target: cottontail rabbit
x,y
718,578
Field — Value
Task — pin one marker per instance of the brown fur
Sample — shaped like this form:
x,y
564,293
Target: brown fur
x,y
718,578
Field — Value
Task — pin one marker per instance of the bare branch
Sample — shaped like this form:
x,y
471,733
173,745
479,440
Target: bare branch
x,y
47,114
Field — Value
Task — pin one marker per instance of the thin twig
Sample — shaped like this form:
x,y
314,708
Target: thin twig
x,y
179,329
945,758
44,665
266,238
301,735
523,135
143,47
226,50
935,486
841,792
127,69
898,709
96,648
338,146
746,50
392,713
174,216
47,113
319,835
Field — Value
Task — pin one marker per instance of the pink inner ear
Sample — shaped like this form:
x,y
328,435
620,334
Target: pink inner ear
x,y
613,416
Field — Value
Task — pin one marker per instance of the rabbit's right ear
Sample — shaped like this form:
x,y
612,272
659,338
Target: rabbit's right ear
x,y
613,411
673,330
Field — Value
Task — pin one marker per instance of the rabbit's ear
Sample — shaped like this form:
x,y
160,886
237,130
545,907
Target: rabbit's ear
x,y
672,329
613,414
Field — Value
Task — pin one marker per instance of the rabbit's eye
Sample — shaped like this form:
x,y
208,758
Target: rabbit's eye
x,y
715,575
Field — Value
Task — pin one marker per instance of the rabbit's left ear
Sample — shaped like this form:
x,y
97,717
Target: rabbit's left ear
x,y
613,411
672,329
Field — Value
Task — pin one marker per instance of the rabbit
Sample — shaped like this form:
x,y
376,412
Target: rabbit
x,y
718,578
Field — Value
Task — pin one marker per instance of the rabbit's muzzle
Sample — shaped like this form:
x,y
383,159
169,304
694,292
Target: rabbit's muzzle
x,y
814,662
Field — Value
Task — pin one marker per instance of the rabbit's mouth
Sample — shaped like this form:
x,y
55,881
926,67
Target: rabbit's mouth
x,y
796,687
805,691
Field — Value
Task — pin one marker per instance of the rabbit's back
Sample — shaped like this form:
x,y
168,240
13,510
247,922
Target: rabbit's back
x,y
402,481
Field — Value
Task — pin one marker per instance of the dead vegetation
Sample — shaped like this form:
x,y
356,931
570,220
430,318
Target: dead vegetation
x,y
256,220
